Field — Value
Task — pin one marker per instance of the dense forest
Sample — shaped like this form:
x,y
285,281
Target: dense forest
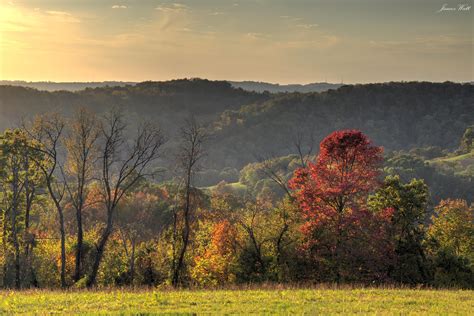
x,y
199,183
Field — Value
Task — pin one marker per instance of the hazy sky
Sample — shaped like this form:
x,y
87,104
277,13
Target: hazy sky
x,y
266,40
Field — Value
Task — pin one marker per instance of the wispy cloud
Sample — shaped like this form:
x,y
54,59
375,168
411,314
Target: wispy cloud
x,y
172,7
255,36
307,26
216,13
118,6
59,13
291,18
62,16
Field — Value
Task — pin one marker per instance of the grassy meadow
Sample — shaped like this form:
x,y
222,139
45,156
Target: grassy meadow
x,y
250,301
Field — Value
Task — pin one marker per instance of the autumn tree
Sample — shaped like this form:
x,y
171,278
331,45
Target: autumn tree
x,y
453,227
215,265
47,131
450,244
123,163
81,145
332,193
191,152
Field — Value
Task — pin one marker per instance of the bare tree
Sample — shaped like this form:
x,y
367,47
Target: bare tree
x,y
304,144
193,137
270,170
47,131
81,145
122,166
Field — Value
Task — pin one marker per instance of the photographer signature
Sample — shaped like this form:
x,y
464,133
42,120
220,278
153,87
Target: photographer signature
x,y
459,7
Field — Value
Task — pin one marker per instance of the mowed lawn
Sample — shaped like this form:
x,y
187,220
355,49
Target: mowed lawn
x,y
286,301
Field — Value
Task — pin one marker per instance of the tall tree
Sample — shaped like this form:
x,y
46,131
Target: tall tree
x,y
332,191
47,130
193,137
123,164
19,183
409,205
81,145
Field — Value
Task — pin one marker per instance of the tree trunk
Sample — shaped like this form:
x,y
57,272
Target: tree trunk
x,y
63,248
100,252
279,251
179,265
79,246
29,242
16,247
16,244
132,262
258,252
61,231
337,250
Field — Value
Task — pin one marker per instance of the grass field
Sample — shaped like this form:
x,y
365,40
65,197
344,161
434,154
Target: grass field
x,y
285,301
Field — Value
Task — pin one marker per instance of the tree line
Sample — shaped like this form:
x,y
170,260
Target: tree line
x,y
82,205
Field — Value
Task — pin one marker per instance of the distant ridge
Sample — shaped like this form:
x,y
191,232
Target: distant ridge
x,y
278,88
245,85
67,86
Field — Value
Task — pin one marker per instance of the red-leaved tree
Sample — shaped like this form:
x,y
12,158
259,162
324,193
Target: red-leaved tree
x,y
343,239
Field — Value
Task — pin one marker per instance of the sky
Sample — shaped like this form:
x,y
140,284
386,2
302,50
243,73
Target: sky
x,y
292,41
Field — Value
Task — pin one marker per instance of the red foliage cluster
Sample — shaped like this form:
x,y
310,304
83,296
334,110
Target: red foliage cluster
x,y
332,194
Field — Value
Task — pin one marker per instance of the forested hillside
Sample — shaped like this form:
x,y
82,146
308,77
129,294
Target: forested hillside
x,y
168,103
245,125
395,115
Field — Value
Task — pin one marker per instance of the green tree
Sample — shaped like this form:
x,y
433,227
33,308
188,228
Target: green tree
x,y
467,141
19,184
451,241
409,203
453,227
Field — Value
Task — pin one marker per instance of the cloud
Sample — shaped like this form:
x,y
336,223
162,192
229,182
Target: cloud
x,y
172,8
216,13
117,6
62,16
59,13
307,26
255,36
291,18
